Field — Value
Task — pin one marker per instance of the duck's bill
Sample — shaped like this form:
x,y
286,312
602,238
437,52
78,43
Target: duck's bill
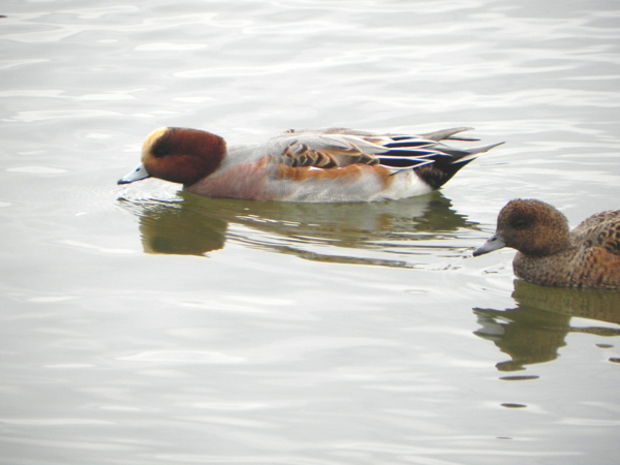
x,y
494,243
137,174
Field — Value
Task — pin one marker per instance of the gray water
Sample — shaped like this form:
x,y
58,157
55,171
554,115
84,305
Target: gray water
x,y
142,325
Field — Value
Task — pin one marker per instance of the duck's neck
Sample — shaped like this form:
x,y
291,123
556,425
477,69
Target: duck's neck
x,y
545,271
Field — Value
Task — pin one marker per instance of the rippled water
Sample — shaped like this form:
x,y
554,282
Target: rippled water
x,y
142,325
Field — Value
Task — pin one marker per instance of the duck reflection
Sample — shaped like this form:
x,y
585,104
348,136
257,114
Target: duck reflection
x,y
535,330
189,224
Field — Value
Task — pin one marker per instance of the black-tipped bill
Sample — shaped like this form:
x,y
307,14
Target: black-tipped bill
x,y
494,243
137,174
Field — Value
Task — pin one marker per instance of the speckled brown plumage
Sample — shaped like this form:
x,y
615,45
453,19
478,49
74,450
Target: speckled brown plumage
x,y
550,254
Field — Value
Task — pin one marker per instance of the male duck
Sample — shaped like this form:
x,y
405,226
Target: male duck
x,y
550,255
332,165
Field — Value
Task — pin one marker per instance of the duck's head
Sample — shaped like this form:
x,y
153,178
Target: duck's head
x,y
178,155
532,227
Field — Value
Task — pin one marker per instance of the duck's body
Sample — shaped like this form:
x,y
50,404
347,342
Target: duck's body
x,y
333,165
550,254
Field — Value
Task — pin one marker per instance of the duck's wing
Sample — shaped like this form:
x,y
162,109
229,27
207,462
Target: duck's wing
x,y
336,148
600,230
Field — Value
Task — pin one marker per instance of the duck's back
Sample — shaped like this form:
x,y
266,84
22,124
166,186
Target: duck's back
x,y
600,230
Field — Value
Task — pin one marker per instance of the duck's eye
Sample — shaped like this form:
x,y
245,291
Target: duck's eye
x,y
519,224
162,148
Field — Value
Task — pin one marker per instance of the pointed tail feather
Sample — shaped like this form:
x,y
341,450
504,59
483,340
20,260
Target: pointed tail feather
x,y
474,152
446,134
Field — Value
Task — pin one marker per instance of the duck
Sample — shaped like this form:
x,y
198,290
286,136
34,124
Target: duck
x,y
325,165
549,254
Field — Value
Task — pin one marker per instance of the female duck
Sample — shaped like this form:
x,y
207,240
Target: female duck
x,y
333,165
551,255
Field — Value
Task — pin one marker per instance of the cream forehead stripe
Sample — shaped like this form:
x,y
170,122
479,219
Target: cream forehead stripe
x,y
151,138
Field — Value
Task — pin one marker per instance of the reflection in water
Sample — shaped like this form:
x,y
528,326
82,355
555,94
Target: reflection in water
x,y
190,224
535,330
169,227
